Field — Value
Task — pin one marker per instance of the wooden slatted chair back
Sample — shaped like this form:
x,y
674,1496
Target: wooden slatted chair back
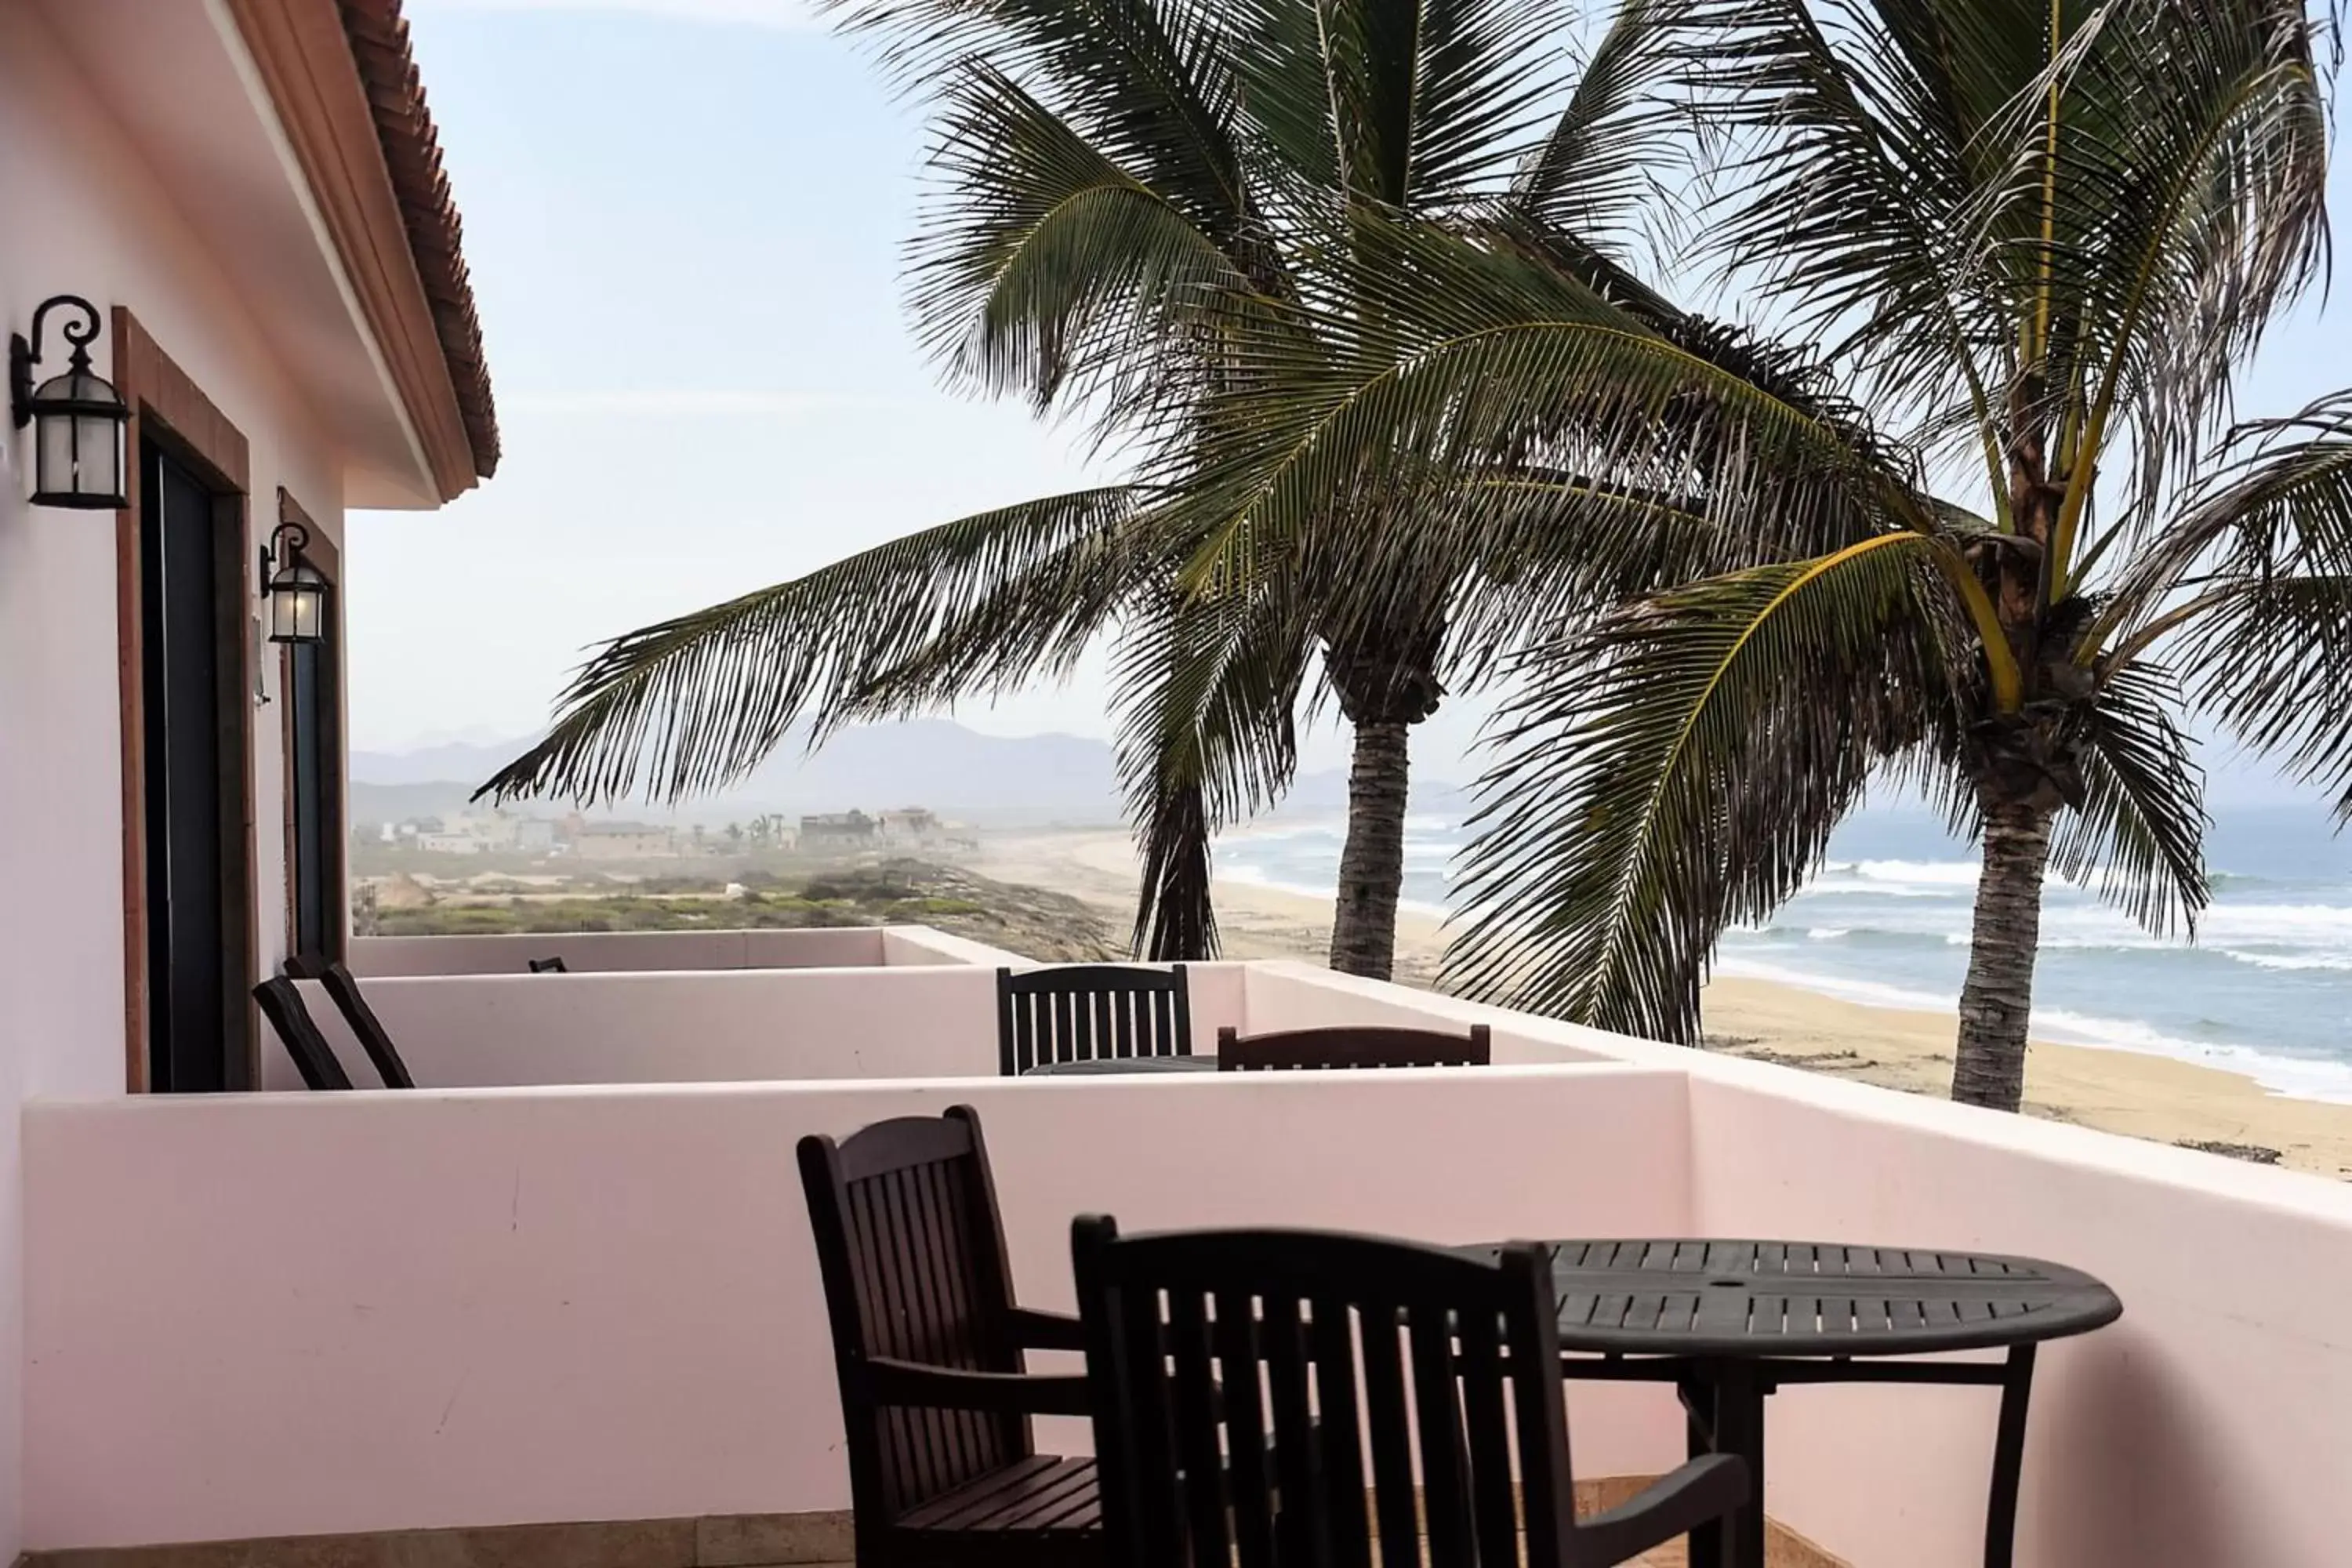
x,y
1341,1365
282,1004
1090,1012
1352,1047
369,1029
912,1255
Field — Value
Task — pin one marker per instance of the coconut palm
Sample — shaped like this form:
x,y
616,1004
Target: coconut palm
x,y
2040,243
1121,189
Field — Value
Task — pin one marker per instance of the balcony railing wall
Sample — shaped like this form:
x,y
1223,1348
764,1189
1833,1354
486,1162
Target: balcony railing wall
x,y
288,1314
741,1026
606,951
294,1313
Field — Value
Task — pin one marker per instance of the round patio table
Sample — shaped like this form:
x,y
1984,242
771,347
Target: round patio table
x,y
1124,1063
1730,1323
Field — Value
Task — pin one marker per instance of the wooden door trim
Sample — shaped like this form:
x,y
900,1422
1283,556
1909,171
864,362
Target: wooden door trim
x,y
168,408
322,553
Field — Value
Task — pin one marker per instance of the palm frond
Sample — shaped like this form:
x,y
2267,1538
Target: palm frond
x,y
1851,167
1152,83
1595,173
2272,663
2178,210
2277,503
695,703
1680,767
1464,357
1205,690
1042,261
2138,836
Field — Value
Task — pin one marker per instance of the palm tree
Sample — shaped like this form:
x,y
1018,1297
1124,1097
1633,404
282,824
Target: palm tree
x,y
1121,189
2039,242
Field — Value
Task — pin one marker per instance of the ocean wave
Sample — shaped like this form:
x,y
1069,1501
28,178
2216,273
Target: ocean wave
x,y
1829,884
2099,942
1273,833
1893,937
2282,925
1940,873
2335,961
2300,1077
1256,876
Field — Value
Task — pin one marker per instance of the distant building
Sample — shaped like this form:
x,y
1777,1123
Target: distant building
x,y
624,841
836,830
450,843
910,824
534,833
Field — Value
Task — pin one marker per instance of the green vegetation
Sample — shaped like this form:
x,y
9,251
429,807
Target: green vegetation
x,y
1028,921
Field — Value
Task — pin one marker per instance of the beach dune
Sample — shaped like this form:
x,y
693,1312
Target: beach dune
x,y
2115,1090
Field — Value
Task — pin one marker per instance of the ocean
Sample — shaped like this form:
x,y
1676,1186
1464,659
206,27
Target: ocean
x,y
2265,990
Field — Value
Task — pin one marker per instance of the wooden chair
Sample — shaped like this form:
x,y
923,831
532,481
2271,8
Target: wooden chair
x,y
1087,1012
1179,1328
313,1058
549,965
1353,1047
927,1343
366,1026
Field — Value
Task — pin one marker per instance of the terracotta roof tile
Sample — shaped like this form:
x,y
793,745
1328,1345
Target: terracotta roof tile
x,y
412,152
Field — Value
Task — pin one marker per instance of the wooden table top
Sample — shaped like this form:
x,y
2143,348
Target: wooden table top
x,y
1720,1298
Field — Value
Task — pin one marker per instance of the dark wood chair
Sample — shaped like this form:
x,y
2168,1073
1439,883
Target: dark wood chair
x,y
366,1026
1087,1012
927,1343
549,965
1353,1047
1179,1328
281,1004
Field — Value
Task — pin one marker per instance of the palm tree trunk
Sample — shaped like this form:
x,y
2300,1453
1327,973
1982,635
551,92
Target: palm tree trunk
x,y
1371,867
1996,1001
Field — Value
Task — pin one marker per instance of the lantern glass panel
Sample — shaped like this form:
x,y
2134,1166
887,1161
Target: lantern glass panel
x,y
54,470
99,455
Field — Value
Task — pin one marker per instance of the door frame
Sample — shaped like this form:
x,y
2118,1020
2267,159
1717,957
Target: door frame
x,y
168,409
328,562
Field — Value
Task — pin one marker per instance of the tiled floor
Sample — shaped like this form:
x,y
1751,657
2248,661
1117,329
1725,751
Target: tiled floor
x,y
738,1541
1782,1552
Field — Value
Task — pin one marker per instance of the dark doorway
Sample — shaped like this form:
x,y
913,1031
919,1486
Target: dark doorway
x,y
190,666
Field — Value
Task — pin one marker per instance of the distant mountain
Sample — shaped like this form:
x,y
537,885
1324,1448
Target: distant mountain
x,y
1007,779
443,762
937,762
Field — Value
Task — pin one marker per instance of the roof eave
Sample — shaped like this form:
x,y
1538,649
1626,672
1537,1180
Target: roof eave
x,y
346,89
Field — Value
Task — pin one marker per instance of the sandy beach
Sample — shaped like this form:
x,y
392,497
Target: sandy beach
x,y
2139,1095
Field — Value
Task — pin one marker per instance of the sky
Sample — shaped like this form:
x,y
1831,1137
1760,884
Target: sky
x,y
683,221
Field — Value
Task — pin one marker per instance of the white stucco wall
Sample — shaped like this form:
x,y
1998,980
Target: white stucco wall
x,y
387,1311
82,212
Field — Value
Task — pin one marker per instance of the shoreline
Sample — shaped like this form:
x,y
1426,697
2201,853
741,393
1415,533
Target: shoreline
x,y
2112,1088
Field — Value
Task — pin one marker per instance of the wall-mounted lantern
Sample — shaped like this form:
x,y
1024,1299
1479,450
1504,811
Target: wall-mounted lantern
x,y
80,420
298,594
